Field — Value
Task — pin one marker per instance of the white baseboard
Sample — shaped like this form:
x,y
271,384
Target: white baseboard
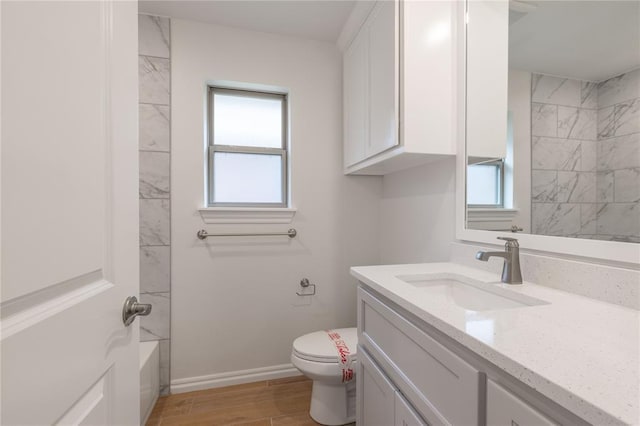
x,y
233,378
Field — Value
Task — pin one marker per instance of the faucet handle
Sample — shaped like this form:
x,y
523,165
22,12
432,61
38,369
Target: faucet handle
x,y
510,242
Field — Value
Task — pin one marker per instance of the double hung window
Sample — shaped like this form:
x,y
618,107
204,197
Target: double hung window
x,y
247,164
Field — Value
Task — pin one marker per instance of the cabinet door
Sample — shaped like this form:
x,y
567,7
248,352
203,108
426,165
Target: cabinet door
x,y
375,394
383,77
356,98
505,409
429,74
405,415
443,387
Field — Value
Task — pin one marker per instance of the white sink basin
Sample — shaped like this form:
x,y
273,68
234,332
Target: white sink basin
x,y
470,294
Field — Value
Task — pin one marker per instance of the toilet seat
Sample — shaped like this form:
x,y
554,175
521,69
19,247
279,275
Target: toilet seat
x,y
319,347
322,360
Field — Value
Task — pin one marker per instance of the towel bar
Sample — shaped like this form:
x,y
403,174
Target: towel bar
x,y
202,234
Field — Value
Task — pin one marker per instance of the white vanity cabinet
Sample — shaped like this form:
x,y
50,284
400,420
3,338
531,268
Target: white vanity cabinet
x,y
409,374
504,408
399,80
405,414
377,390
438,384
385,405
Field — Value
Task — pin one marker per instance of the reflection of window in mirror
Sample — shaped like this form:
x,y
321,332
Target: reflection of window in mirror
x,y
490,180
485,188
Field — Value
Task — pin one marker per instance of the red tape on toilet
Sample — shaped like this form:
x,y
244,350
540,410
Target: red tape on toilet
x,y
344,355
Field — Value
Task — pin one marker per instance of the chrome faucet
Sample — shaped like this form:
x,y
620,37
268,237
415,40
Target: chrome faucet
x,y
511,273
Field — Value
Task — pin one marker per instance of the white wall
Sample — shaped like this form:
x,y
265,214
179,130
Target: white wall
x,y
233,301
417,213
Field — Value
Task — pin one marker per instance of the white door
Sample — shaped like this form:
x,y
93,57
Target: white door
x,y
69,212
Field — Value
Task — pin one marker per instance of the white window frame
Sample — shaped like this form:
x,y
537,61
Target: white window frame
x,y
499,164
213,148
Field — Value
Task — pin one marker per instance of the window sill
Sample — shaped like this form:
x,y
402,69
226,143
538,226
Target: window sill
x,y
494,219
487,213
248,215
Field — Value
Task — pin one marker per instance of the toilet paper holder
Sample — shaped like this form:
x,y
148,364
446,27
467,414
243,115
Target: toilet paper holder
x,y
304,283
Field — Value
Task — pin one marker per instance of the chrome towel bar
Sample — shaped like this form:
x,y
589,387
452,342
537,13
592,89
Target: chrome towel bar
x,y
514,228
202,234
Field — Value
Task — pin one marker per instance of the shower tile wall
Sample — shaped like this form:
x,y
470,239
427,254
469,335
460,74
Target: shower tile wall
x,y
586,157
563,156
155,151
618,158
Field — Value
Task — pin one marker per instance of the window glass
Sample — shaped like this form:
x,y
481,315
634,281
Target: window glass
x,y
247,121
247,178
483,187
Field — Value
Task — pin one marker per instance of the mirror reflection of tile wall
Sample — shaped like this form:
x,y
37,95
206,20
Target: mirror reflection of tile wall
x,y
586,157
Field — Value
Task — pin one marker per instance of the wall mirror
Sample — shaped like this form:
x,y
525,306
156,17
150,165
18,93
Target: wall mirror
x,y
552,123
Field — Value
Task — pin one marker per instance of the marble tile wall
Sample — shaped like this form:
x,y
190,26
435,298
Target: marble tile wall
x,y
586,157
155,191
618,158
564,129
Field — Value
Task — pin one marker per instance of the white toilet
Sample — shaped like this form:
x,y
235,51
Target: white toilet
x,y
329,359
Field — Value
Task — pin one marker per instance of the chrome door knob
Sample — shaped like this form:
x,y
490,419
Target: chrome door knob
x,y
132,309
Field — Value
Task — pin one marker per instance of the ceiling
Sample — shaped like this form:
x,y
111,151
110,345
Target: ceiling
x,y
313,19
585,40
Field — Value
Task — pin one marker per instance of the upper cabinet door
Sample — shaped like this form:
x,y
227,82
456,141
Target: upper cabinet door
x,y
383,77
428,76
356,98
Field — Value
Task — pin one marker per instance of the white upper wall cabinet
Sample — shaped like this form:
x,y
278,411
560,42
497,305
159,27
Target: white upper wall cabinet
x,y
356,99
399,78
383,77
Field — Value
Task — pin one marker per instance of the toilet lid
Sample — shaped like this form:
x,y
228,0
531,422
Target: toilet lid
x,y
320,346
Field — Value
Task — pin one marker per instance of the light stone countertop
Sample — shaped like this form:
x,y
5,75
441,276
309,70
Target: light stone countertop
x,y
579,352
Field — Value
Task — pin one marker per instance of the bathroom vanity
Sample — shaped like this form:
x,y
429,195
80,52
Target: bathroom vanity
x,y
443,343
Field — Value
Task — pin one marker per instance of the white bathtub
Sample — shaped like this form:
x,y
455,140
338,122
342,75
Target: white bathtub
x,y
149,378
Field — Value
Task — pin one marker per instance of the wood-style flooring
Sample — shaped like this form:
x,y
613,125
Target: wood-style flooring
x,y
282,402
